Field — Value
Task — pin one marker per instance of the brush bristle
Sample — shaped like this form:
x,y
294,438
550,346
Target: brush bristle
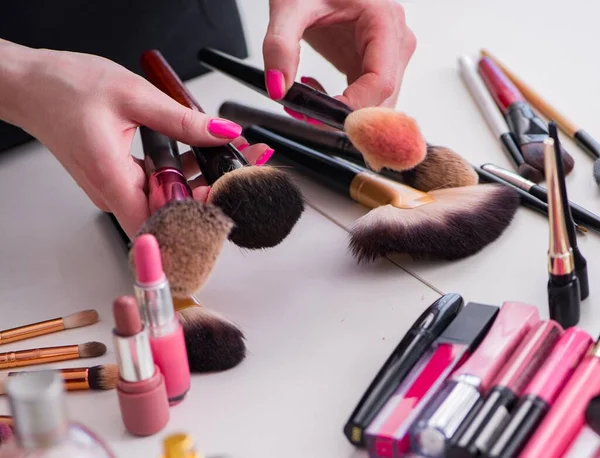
x,y
6,433
80,319
191,236
597,171
2,386
460,223
264,203
533,153
91,349
103,377
530,173
213,343
442,168
386,138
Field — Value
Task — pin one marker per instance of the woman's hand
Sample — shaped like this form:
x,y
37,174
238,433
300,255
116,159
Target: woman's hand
x,y
367,40
86,109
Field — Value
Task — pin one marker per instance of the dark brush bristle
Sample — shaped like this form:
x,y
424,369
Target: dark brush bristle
x,y
190,235
264,203
459,224
533,153
530,173
103,377
213,343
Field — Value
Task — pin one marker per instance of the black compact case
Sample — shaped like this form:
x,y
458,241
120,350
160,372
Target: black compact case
x,y
121,31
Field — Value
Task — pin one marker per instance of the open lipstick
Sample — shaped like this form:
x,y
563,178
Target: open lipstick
x,y
564,295
494,118
156,307
445,412
476,434
388,434
540,394
566,417
432,322
141,386
527,127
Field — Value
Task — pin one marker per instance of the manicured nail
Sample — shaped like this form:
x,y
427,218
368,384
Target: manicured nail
x,y
294,114
314,122
243,147
224,128
264,157
275,84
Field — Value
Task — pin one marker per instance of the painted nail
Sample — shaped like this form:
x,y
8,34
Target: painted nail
x,y
275,84
243,146
314,122
224,128
264,157
294,114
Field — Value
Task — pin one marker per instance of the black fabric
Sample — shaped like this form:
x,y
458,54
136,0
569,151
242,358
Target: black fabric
x,y
121,30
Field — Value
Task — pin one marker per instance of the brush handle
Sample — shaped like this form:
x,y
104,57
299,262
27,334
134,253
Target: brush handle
x,y
300,97
122,234
587,142
213,162
564,299
334,172
299,131
511,147
159,151
504,92
525,125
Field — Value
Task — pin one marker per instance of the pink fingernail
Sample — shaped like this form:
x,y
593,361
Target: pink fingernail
x,y
294,114
264,157
243,147
314,122
224,128
275,84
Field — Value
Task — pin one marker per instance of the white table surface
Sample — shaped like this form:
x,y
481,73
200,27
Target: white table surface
x,y
318,326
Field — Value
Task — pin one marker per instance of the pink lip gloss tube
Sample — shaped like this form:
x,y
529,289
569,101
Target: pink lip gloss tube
x,y
452,405
141,386
566,417
156,307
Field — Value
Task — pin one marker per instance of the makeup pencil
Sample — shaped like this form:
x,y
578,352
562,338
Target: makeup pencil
x,y
564,295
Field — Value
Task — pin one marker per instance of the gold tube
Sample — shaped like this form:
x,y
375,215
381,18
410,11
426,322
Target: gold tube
x,y
75,378
38,356
31,330
180,303
6,420
374,191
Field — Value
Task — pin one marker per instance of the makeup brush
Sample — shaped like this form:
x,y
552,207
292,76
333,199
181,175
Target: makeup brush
x,y
581,137
447,224
6,432
190,234
51,354
263,202
385,137
441,168
563,285
529,130
96,378
213,343
580,215
495,120
28,331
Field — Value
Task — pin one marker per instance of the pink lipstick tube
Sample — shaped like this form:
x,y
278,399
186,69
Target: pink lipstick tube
x,y
158,314
450,407
566,418
141,386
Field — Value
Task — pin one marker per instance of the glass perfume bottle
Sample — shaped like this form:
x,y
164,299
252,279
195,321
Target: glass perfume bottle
x,y
41,426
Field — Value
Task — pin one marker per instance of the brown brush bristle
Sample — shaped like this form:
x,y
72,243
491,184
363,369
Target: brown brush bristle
x,y
459,224
530,173
80,319
91,349
213,343
191,236
533,153
441,168
103,377
264,203
386,138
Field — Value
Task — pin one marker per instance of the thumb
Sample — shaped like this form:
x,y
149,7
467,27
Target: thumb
x,y
281,46
151,107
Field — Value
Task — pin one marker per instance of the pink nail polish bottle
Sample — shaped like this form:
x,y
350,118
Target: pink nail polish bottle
x,y
158,314
141,386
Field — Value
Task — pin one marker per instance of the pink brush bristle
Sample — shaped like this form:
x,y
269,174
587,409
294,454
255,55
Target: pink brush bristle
x,y
6,433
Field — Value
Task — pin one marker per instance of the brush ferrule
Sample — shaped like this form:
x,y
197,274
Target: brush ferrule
x,y
374,191
134,356
562,264
509,176
156,307
166,185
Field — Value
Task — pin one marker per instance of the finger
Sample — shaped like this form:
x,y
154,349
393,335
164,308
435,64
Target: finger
x,y
377,36
148,106
281,46
189,164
